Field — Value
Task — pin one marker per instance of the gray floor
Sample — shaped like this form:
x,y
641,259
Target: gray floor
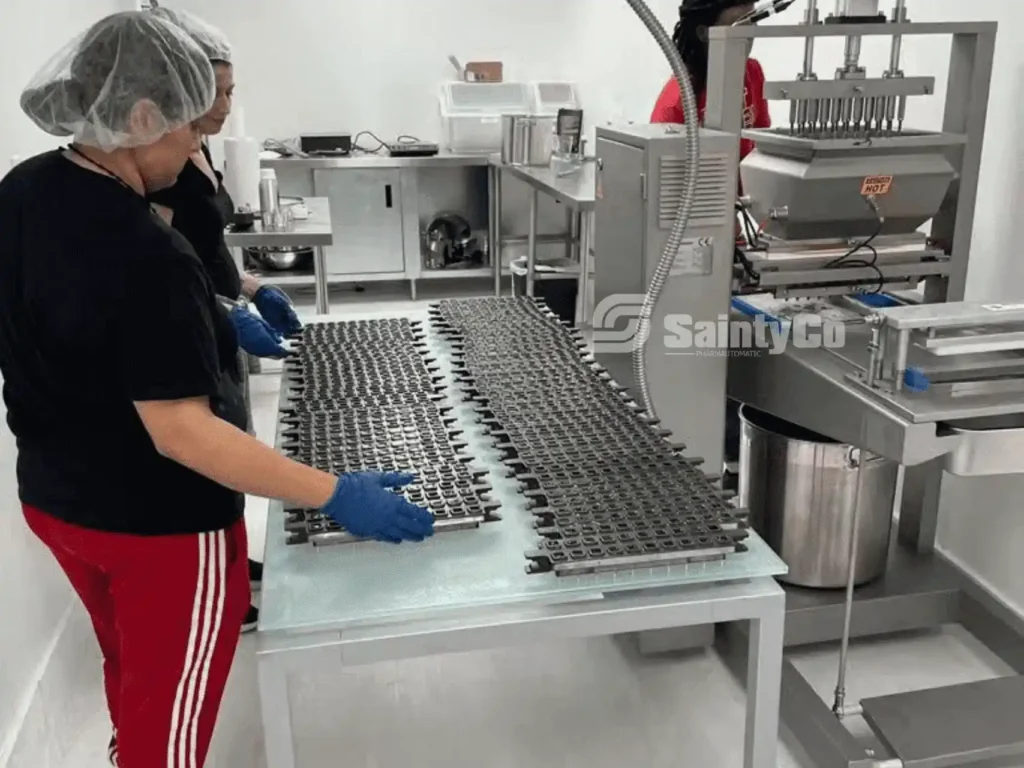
x,y
592,704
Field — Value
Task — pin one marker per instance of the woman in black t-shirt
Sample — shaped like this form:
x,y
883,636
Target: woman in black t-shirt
x,y
118,367
199,207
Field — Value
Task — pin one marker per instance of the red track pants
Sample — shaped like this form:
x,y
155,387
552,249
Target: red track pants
x,y
167,611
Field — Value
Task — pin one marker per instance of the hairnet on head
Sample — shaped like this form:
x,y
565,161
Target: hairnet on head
x,y
699,6
125,82
213,42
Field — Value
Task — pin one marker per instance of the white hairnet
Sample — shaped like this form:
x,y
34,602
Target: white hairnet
x,y
126,82
213,42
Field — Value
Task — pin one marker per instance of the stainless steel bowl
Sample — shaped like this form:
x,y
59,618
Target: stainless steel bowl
x,y
281,259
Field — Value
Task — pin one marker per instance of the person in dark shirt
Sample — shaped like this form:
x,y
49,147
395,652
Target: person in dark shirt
x,y
199,207
121,386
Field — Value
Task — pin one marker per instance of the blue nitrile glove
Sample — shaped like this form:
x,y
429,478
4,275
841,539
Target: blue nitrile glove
x,y
364,505
273,304
255,336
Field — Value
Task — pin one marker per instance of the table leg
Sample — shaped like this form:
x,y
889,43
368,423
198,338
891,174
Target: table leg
x,y
278,741
764,681
495,229
572,234
531,247
583,285
323,299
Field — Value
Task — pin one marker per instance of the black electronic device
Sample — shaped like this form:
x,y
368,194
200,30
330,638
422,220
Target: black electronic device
x,y
326,144
413,149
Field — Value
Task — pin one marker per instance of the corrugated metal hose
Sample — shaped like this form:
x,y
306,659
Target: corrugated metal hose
x,y
676,236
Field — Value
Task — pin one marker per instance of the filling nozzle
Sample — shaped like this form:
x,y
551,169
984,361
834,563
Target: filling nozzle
x,y
852,53
807,110
896,107
849,111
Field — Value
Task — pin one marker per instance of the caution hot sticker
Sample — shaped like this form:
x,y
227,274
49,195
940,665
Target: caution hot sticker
x,y
876,186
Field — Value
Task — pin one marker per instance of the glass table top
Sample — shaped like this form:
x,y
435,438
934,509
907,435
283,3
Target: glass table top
x,y
309,588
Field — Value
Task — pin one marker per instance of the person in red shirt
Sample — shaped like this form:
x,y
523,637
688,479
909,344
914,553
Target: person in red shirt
x,y
691,38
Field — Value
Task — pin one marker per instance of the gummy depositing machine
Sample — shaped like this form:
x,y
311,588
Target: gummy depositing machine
x,y
836,198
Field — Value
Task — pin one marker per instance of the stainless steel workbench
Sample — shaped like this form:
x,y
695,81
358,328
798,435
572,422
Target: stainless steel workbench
x,y
384,204
367,161
416,181
314,232
578,193
365,603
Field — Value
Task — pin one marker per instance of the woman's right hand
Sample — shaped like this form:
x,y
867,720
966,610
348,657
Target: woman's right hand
x,y
364,504
255,335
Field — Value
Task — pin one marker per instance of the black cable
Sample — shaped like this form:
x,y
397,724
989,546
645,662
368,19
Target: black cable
x,y
380,144
847,260
873,205
739,257
873,265
866,244
750,229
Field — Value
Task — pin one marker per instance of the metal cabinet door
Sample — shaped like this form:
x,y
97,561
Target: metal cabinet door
x,y
366,217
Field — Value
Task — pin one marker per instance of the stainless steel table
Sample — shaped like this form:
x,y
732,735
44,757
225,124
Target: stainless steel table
x,y
314,232
578,193
364,603
376,230
371,161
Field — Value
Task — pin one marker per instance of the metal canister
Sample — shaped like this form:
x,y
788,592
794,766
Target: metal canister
x,y
527,140
801,491
516,131
270,198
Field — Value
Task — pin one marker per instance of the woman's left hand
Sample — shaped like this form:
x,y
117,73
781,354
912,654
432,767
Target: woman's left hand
x,y
276,309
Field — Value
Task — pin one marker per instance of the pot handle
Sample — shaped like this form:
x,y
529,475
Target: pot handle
x,y
854,457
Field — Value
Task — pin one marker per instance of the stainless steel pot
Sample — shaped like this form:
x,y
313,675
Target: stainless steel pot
x,y
800,487
281,259
527,140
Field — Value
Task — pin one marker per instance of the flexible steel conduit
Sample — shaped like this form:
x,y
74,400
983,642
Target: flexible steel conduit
x,y
675,238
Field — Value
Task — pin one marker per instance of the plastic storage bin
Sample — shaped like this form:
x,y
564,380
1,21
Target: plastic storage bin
x,y
556,280
547,98
471,114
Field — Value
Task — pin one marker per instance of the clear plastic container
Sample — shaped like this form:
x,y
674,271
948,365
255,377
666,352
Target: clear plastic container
x,y
471,114
547,98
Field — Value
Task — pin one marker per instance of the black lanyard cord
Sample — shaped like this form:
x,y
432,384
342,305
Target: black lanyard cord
x,y
75,150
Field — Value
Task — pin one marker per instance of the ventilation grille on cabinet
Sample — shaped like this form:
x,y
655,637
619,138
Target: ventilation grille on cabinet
x,y
711,207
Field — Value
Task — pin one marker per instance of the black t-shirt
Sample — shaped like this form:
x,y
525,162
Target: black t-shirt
x,y
103,305
201,212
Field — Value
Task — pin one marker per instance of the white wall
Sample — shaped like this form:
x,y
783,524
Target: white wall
x,y
30,32
47,653
314,65
376,66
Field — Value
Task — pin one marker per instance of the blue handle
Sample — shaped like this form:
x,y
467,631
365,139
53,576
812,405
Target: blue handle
x,y
877,300
915,380
751,311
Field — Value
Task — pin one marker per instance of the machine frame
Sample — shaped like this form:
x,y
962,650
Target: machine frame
x,y
922,589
